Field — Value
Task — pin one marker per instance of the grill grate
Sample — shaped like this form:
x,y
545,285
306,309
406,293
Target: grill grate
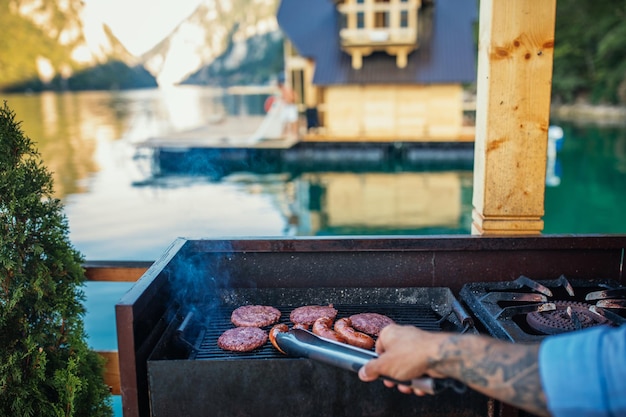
x,y
206,348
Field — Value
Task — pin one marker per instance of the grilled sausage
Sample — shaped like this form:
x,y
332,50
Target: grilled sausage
x,y
344,328
323,328
300,326
279,328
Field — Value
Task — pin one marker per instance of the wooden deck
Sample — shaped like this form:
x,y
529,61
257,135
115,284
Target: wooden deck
x,y
242,132
227,132
119,271
467,134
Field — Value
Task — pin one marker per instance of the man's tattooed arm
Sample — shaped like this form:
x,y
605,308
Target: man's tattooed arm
x,y
505,371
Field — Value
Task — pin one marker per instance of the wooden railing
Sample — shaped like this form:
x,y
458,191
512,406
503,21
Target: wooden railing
x,y
379,26
371,29
114,271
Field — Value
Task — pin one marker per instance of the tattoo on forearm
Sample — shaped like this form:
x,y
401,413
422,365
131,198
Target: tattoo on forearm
x,y
507,372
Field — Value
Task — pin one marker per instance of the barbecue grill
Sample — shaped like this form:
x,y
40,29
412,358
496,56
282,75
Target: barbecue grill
x,y
169,321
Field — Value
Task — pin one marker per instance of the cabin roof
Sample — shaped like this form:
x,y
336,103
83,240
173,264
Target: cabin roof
x,y
447,55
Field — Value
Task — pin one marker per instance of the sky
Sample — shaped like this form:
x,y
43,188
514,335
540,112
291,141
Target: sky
x,y
141,24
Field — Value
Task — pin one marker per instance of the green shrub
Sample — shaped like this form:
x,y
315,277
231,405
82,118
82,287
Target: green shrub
x,y
46,366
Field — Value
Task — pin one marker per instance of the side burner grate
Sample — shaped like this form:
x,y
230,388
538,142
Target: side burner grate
x,y
525,310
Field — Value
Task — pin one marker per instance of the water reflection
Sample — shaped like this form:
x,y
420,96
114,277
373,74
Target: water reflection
x,y
344,191
66,133
70,128
591,195
382,203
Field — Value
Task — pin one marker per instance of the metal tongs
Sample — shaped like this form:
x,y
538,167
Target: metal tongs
x,y
305,344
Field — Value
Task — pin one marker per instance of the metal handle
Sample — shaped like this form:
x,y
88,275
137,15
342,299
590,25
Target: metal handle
x,y
432,386
435,385
302,343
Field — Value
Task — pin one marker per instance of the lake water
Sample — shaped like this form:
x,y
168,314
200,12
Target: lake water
x,y
120,206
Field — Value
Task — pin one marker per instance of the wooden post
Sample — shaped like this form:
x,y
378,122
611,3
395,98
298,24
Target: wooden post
x,y
515,53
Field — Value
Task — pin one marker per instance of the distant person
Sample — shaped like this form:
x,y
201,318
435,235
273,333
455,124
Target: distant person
x,y
290,109
581,373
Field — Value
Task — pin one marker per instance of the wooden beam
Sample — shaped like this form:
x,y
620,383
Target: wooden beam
x,y
115,271
515,54
111,370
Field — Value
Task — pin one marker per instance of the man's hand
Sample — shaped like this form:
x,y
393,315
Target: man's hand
x,y
502,370
405,353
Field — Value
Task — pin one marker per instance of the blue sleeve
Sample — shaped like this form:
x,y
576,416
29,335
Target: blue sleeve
x,y
583,373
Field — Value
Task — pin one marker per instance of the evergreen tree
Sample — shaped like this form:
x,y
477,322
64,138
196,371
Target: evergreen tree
x,y
46,366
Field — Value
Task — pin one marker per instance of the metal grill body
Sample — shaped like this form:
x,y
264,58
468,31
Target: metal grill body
x,y
168,321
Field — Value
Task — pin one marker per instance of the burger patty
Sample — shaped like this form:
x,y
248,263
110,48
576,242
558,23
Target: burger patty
x,y
370,323
242,339
308,314
255,316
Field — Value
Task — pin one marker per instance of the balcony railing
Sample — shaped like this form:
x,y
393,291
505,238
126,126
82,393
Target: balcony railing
x,y
373,37
389,22
386,26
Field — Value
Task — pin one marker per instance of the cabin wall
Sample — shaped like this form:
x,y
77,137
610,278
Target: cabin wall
x,y
393,112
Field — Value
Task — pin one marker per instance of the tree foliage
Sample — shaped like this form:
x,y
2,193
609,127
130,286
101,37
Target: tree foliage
x,y
114,75
589,58
46,367
23,41
48,32
262,62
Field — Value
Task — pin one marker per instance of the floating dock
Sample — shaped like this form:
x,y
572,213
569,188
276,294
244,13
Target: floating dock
x,y
226,132
234,144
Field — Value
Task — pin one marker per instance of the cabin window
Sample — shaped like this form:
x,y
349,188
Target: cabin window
x,y
343,22
381,19
404,19
360,20
297,79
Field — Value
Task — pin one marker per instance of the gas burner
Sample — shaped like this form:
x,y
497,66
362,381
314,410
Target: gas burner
x,y
527,310
614,299
568,316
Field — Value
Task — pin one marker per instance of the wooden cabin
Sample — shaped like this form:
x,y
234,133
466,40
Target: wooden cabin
x,y
381,70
